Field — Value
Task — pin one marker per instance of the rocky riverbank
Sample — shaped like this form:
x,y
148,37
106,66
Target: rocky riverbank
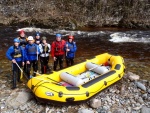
x,y
73,14
130,95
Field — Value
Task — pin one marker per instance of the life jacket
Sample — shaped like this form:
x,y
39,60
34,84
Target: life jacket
x,y
32,49
17,52
45,49
59,47
23,41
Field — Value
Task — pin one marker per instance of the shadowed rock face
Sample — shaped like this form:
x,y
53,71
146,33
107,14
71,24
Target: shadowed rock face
x,y
72,14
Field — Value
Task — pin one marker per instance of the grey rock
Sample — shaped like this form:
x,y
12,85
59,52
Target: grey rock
x,y
134,111
140,100
138,104
148,98
145,109
3,86
148,91
1,70
26,97
144,96
95,103
23,107
85,111
101,110
2,106
106,108
108,99
30,111
119,111
141,86
18,98
137,108
133,77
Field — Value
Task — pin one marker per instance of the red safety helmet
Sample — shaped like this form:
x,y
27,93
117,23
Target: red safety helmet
x,y
71,37
22,32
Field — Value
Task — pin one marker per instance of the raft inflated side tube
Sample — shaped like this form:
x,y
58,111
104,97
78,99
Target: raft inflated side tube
x,y
71,79
96,68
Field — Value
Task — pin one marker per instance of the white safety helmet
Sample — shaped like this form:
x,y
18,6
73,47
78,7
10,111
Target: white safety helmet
x,y
30,38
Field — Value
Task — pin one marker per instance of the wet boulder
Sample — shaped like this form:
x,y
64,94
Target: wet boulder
x,y
141,86
95,103
18,98
133,77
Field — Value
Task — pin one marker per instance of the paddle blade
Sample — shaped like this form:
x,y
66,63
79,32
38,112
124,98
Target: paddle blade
x,y
21,76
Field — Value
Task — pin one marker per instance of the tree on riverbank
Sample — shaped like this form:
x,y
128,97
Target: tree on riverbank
x,y
72,14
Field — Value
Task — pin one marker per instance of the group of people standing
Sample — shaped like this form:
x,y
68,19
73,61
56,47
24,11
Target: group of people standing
x,y
27,51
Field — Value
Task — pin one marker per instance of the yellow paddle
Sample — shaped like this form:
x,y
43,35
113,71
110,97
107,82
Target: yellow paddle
x,y
21,76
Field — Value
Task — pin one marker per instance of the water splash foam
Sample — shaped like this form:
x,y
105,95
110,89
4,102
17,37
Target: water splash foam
x,y
129,37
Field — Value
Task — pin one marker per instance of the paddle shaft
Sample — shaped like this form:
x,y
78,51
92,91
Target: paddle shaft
x,y
20,70
19,67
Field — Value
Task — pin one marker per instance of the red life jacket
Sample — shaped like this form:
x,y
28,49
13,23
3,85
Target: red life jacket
x,y
58,48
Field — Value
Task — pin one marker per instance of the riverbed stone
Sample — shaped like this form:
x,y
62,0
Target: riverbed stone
x,y
145,109
148,91
18,98
101,111
1,70
133,77
85,111
119,110
144,96
140,100
140,85
23,107
95,103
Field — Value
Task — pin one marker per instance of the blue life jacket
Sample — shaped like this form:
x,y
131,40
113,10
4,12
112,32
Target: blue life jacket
x,y
31,52
72,46
16,53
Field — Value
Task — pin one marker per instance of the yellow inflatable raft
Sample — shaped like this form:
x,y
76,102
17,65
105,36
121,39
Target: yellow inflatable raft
x,y
79,82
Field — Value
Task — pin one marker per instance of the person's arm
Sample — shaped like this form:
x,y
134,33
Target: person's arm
x,y
38,49
49,46
41,49
22,54
9,53
25,53
52,49
65,47
74,48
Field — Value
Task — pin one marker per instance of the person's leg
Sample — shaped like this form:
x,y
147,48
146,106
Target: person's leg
x,y
25,67
46,64
61,62
35,67
72,61
42,64
56,63
67,62
19,71
14,68
28,70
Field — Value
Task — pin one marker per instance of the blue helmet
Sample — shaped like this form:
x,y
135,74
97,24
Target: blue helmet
x,y
16,40
37,34
58,35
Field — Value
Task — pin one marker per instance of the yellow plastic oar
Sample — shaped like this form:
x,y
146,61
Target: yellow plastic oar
x,y
21,76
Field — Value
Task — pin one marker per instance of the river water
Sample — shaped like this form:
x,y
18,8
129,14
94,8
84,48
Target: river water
x,y
132,45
